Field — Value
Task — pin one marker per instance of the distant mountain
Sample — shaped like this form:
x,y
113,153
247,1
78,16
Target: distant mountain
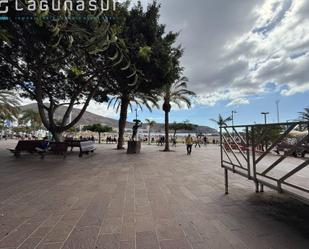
x,y
91,118
87,119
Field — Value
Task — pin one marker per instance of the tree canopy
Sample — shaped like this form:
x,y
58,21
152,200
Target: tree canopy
x,y
31,116
65,58
185,126
221,121
99,129
150,50
9,105
304,115
61,60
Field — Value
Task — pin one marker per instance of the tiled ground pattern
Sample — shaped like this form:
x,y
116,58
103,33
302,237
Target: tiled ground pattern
x,y
155,200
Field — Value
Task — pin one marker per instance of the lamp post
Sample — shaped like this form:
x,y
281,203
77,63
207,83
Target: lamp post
x,y
233,112
278,111
265,116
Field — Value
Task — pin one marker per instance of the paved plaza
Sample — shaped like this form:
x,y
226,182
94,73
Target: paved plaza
x,y
153,200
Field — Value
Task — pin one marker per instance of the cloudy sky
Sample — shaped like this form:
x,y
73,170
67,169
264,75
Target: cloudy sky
x,y
241,55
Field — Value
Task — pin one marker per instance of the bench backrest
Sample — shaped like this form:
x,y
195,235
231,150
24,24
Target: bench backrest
x,y
27,145
87,145
73,143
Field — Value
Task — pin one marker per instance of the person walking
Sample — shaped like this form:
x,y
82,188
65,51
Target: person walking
x,y
205,141
189,143
197,142
174,140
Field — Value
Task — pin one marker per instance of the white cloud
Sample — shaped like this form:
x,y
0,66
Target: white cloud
x,y
100,109
243,46
239,101
233,49
235,96
278,49
295,89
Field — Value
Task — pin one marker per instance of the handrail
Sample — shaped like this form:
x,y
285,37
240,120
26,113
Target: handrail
x,y
269,124
230,149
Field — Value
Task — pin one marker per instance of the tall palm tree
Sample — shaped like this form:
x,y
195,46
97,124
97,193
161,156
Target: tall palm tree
x,y
9,103
176,93
151,124
221,121
33,117
304,115
123,102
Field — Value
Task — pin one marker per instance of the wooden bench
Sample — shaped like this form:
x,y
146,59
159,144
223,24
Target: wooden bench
x,y
29,146
73,143
86,147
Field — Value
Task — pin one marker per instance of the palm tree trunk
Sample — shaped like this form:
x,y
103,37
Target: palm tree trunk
x,y
122,121
149,136
99,137
167,141
1,128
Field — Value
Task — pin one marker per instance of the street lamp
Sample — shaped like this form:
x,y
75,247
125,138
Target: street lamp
x,y
265,116
233,112
278,111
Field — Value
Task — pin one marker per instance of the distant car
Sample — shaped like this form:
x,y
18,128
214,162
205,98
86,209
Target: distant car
x,y
285,146
304,149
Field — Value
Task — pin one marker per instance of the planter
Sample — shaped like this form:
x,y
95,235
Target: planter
x,y
134,147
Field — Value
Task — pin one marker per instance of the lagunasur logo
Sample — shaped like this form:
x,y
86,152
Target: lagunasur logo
x,y
57,5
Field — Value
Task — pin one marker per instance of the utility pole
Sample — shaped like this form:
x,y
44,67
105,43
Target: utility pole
x,y
278,111
265,116
233,112
136,113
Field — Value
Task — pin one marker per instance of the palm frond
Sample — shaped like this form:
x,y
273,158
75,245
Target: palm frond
x,y
9,103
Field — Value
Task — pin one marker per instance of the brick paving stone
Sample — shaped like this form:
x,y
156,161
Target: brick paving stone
x,y
174,244
127,232
18,235
111,226
168,230
146,240
127,245
82,238
153,200
30,243
60,232
108,241
50,246
144,223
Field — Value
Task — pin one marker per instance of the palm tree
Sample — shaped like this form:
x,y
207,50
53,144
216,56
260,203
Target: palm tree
x,y
9,105
125,101
33,117
304,115
221,121
151,124
176,93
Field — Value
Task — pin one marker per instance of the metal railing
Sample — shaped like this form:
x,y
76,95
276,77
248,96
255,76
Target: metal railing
x,y
248,150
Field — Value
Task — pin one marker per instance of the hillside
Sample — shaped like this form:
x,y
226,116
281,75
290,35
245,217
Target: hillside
x,y
91,118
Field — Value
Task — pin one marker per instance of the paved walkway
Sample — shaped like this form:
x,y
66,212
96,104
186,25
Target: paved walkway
x,y
149,201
